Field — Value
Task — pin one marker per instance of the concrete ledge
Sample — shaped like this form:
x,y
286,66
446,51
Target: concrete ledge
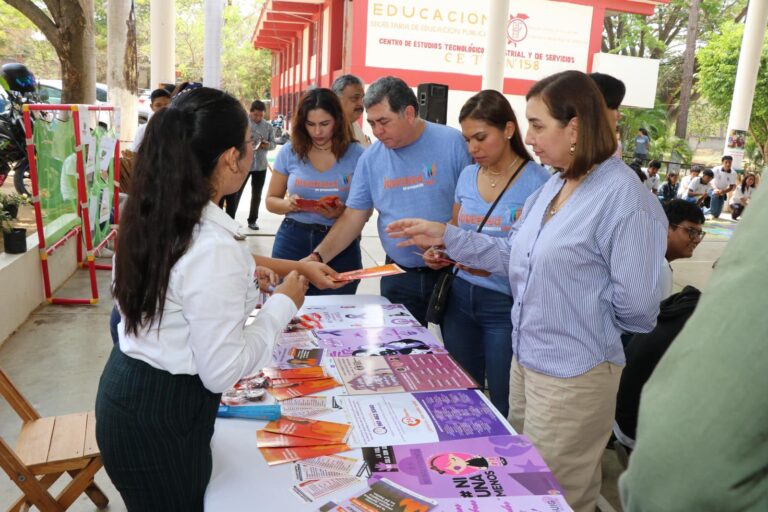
x,y
21,281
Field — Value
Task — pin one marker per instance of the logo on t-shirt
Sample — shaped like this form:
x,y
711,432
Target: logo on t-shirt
x,y
324,185
425,178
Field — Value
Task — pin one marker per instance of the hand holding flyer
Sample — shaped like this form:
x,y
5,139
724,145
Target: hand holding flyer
x,y
380,271
312,205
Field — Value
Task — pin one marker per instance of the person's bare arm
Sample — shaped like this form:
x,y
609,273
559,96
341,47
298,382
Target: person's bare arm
x,y
344,231
319,274
276,200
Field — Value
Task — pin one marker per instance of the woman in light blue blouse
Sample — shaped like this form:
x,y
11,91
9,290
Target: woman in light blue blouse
x,y
584,263
317,164
477,328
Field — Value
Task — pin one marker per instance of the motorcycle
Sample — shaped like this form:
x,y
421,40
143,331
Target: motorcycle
x,y
17,87
278,127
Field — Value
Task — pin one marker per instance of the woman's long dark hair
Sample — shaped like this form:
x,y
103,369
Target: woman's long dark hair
x,y
327,100
744,182
171,186
493,108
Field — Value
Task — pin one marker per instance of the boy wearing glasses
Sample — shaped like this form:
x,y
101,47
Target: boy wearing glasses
x,y
644,351
685,233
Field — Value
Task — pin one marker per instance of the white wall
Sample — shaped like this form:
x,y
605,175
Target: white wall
x,y
21,281
639,76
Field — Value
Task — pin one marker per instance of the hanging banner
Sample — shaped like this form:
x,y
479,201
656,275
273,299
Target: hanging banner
x,y
542,37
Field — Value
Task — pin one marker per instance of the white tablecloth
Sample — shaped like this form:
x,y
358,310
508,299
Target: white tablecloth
x,y
241,479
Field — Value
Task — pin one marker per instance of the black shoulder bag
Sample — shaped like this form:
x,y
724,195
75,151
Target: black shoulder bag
x,y
439,298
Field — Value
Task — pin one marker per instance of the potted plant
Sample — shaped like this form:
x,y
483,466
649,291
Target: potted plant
x,y
11,202
14,239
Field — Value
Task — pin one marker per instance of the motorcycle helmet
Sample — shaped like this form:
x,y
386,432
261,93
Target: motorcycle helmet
x,y
16,77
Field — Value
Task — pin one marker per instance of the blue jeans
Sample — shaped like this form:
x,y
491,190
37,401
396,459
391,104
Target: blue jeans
x,y
296,240
477,329
716,203
412,289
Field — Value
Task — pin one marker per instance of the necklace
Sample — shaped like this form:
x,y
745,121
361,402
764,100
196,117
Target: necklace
x,y
490,173
555,205
321,148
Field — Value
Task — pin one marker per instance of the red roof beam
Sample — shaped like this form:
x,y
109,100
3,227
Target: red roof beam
x,y
296,7
276,33
289,17
272,25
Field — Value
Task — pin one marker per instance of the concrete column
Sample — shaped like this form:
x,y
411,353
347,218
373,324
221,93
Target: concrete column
x,y
121,67
214,19
162,37
496,45
746,79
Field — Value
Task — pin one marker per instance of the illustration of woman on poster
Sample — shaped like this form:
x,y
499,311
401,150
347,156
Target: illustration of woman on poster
x,y
457,463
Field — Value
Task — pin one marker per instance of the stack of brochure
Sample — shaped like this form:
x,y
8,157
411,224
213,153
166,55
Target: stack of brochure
x,y
291,438
291,383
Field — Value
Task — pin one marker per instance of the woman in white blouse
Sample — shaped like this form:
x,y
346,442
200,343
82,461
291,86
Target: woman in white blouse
x,y
184,288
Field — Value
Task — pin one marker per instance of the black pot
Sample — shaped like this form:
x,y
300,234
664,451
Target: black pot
x,y
15,241
12,209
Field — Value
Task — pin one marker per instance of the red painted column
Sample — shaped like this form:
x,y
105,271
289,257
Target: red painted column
x,y
336,36
596,34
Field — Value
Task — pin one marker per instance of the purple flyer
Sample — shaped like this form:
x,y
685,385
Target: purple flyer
x,y
354,316
383,341
482,467
550,503
461,414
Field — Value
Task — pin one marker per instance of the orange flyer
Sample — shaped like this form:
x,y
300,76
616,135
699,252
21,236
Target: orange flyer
x,y
275,456
302,387
308,373
324,431
381,271
266,439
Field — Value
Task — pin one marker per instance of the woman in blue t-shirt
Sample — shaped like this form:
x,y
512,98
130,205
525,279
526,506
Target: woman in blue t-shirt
x,y
310,182
477,328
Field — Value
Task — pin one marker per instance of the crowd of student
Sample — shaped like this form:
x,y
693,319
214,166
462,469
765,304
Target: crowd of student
x,y
551,271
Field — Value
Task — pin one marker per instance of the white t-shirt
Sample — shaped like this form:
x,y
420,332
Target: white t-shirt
x,y
738,195
211,292
722,179
682,192
666,280
697,187
138,137
652,182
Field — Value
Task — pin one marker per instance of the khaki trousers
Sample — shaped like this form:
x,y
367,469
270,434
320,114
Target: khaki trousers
x,y
569,421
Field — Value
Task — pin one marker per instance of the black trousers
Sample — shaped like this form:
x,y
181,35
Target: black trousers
x,y
154,431
257,185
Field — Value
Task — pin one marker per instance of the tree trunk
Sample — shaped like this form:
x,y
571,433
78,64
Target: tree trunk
x,y
69,29
77,52
689,60
122,70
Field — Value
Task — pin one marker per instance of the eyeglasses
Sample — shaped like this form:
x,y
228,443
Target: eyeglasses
x,y
696,235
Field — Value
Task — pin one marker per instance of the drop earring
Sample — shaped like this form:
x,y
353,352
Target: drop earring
x,y
572,149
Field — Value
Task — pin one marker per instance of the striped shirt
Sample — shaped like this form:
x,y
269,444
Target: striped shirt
x,y
584,277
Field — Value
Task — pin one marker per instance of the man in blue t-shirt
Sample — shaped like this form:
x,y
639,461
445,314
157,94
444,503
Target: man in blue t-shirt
x,y
410,172
642,145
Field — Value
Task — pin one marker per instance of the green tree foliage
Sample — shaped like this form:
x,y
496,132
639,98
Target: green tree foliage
x,y
21,41
246,72
718,61
662,36
660,130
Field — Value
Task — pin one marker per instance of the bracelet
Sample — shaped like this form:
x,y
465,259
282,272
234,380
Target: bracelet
x,y
317,254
